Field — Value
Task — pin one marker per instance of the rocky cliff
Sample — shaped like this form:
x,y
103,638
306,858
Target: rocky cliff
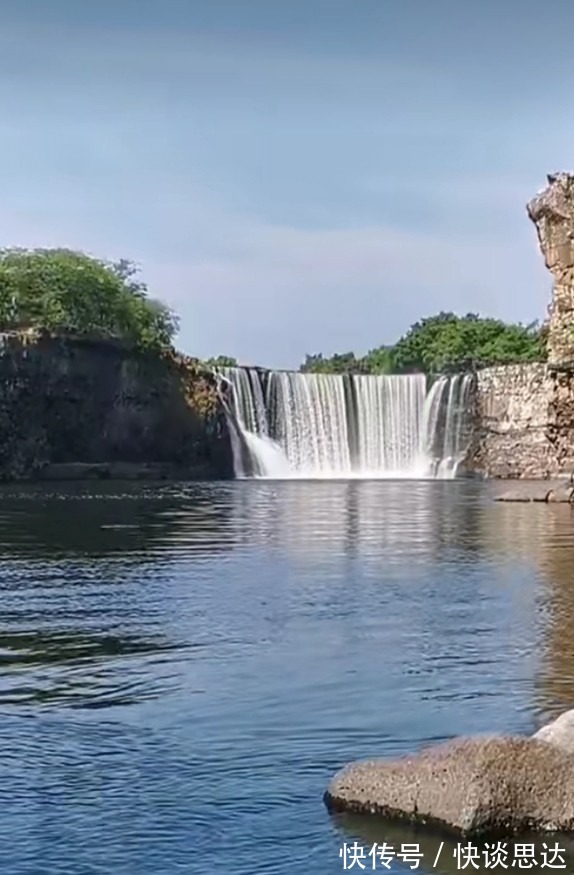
x,y
510,433
524,414
72,407
552,212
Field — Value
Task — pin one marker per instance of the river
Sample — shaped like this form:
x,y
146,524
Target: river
x,y
184,667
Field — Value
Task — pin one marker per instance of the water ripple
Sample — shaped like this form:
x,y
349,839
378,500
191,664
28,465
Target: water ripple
x,y
184,667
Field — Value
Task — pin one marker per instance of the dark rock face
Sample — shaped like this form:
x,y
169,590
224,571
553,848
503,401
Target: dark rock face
x,y
116,412
497,785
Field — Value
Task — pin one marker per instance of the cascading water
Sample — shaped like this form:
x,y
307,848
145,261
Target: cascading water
x,y
310,421
286,425
445,424
389,416
254,453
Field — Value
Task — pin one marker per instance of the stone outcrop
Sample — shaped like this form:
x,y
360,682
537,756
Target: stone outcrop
x,y
71,407
510,434
552,212
524,424
558,494
560,732
492,785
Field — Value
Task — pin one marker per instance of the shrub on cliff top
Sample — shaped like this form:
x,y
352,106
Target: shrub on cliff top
x,y
443,342
61,291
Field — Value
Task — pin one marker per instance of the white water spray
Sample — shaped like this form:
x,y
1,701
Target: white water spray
x,y
445,437
296,425
310,422
389,416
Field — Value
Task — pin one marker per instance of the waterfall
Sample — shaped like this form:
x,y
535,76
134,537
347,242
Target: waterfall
x,y
249,404
389,414
445,425
254,453
310,421
286,425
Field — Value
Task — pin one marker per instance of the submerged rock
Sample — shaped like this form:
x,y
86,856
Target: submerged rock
x,y
500,785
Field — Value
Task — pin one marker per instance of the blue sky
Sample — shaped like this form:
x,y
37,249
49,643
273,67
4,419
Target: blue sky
x,y
296,176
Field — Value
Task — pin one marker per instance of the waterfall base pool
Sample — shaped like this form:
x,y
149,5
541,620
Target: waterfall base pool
x,y
183,668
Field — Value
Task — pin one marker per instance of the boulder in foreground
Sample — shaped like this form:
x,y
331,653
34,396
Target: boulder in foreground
x,y
559,733
496,785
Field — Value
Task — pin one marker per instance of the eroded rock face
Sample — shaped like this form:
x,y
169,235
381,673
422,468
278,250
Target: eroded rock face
x,y
552,212
497,785
525,413
510,439
100,409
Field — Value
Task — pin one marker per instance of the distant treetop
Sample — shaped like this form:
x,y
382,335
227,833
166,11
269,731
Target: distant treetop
x,y
60,290
222,361
443,342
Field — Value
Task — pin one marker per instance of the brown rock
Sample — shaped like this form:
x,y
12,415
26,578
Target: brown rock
x,y
562,495
500,785
552,211
560,732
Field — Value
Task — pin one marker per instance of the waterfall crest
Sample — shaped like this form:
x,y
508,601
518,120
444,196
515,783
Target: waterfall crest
x,y
286,425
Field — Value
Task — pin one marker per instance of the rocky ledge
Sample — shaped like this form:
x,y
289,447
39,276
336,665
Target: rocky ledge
x,y
541,493
499,785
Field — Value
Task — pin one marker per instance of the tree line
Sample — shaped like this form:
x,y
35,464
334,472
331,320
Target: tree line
x,y
60,291
64,291
441,343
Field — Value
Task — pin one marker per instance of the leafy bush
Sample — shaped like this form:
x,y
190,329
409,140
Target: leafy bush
x,y
443,342
222,361
59,290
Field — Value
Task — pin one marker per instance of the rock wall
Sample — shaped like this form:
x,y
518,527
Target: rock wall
x,y
510,434
524,414
97,409
552,212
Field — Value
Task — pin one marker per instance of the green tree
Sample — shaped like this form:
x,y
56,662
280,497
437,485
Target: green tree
x,y
442,342
222,361
380,361
447,341
340,363
59,290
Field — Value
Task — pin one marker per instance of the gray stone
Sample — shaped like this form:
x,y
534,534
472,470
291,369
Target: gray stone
x,y
524,417
552,212
511,418
559,733
523,496
495,785
540,493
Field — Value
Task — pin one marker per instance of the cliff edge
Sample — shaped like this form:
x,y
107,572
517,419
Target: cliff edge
x,y
81,408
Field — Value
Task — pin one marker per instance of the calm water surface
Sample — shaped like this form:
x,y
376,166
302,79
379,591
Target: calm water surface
x,y
183,668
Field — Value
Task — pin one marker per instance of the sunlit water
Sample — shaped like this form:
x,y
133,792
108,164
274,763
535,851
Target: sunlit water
x,y
183,669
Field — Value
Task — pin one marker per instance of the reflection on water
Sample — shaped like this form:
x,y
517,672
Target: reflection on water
x,y
183,668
